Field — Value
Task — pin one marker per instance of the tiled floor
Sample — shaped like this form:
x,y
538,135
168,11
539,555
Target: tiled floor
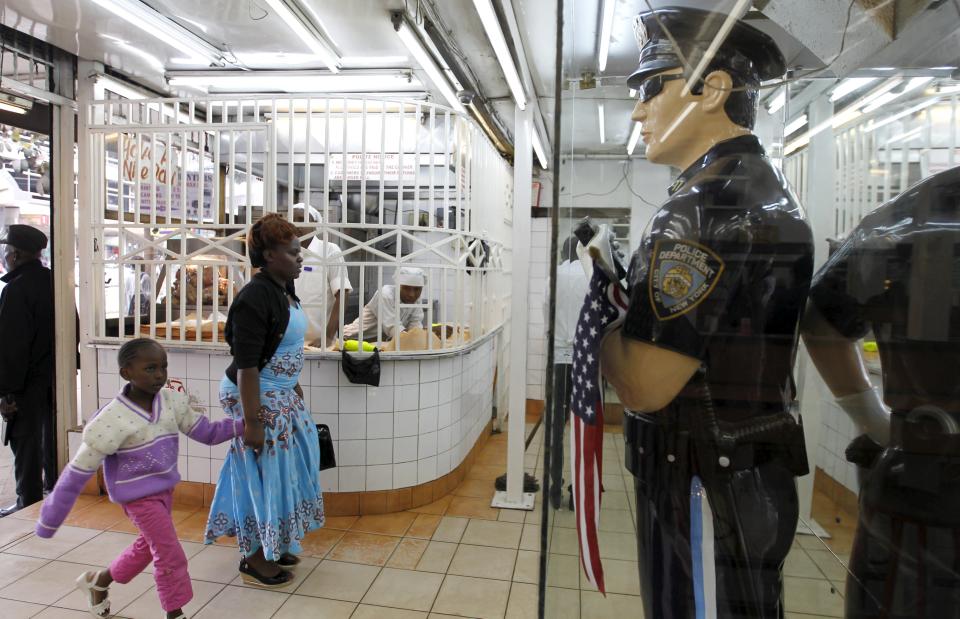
x,y
456,557
813,575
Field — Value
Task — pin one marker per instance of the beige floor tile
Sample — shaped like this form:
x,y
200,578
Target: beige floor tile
x,y
300,573
483,562
366,548
100,550
811,542
616,520
47,584
339,581
564,541
365,611
241,602
65,540
450,529
300,607
815,597
512,515
437,557
11,609
798,563
473,597
563,571
567,519
618,577
621,546
523,602
408,553
535,516
53,612
493,533
385,524
12,529
215,564
614,500
530,538
14,567
424,526
563,603
527,569
404,589
593,605
147,606
834,567
120,595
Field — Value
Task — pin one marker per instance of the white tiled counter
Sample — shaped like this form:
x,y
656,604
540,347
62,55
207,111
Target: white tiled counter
x,y
417,426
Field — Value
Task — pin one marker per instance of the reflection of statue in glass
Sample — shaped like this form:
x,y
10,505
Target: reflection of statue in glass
x,y
703,360
897,277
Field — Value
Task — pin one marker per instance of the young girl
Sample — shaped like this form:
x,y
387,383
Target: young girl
x,y
135,436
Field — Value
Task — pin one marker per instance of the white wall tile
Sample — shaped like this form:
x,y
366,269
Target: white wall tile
x,y
445,415
446,367
427,445
443,439
429,370
429,394
443,463
405,474
406,372
199,469
380,399
445,390
198,366
428,419
197,449
405,448
183,466
379,425
324,373
74,440
107,361
353,399
352,453
177,364
213,387
216,465
406,423
386,373
380,451
332,420
353,427
330,480
406,397
219,452
199,388
108,385
325,400
379,477
218,366
426,470
352,478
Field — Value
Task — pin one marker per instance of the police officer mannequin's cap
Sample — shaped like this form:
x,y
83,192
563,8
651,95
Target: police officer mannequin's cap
x,y
25,238
746,50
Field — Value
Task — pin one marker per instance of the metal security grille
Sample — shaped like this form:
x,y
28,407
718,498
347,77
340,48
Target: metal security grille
x,y
176,183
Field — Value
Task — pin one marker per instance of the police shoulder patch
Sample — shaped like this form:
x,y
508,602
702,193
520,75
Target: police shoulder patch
x,y
682,275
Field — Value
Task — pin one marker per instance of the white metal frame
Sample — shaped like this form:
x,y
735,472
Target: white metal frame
x,y
438,164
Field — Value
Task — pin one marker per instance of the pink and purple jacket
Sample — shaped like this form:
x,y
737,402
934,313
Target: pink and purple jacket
x,y
138,450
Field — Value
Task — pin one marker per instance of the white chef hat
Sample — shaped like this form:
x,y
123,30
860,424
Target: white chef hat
x,y
410,276
312,214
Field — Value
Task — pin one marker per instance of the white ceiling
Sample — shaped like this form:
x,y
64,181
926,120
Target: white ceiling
x,y
361,29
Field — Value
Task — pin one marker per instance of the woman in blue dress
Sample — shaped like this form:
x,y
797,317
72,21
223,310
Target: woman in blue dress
x,y
268,494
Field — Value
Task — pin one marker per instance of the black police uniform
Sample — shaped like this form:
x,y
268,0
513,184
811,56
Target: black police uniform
x,y
26,367
721,275
898,275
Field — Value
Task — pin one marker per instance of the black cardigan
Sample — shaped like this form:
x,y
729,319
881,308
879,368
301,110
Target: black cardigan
x,y
257,322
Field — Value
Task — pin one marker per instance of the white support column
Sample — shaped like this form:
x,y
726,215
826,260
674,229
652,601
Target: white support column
x,y
514,497
89,398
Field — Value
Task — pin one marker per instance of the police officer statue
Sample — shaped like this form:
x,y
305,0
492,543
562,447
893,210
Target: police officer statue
x,y
898,275
703,359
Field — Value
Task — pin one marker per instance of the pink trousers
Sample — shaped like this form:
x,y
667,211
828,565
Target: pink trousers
x,y
157,542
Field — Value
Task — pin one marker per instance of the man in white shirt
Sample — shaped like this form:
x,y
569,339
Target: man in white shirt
x,y
572,285
410,282
320,285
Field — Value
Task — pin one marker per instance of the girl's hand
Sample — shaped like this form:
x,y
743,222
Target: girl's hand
x,y
253,436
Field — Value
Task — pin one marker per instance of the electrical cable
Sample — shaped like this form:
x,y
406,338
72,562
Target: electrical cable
x,y
250,5
623,179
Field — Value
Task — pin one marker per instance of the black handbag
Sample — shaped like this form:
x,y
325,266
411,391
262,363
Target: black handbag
x,y
328,459
361,371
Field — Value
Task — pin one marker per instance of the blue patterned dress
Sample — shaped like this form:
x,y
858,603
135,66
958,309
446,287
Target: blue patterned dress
x,y
274,500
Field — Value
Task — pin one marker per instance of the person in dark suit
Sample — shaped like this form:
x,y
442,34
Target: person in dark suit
x,y
26,364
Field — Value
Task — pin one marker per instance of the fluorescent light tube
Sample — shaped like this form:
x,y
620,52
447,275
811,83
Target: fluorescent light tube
x,y
913,84
603,128
419,53
795,125
301,26
159,27
777,103
906,112
492,27
633,93
879,92
634,138
606,27
850,85
8,107
538,149
295,81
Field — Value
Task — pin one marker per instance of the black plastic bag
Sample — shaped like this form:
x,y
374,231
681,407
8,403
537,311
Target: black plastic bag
x,y
328,459
362,371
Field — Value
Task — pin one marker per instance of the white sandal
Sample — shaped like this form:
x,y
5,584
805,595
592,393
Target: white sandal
x,y
87,583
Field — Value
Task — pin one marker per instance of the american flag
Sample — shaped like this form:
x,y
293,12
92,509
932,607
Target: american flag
x,y
604,304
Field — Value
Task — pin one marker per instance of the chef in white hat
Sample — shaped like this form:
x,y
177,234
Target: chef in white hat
x,y
320,287
410,282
